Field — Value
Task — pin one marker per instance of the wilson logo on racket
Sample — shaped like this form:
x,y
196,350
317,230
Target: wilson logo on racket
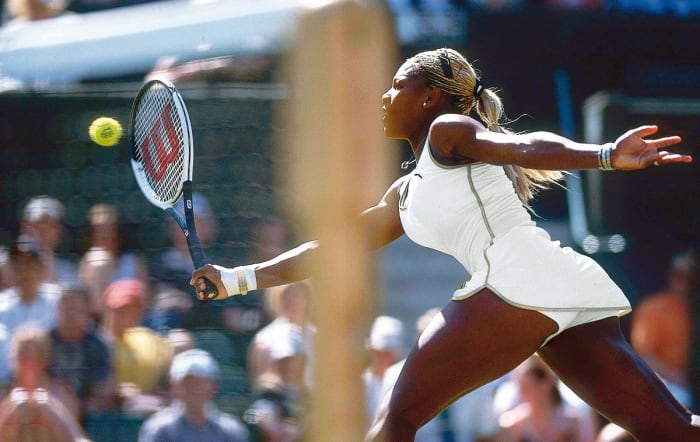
x,y
155,143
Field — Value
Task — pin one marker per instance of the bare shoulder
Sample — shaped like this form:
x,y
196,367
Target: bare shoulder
x,y
456,122
448,125
451,135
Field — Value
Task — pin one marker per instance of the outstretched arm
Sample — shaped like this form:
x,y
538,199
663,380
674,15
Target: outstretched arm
x,y
457,139
381,220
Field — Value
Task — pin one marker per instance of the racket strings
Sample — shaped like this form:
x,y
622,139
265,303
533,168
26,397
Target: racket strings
x,y
159,144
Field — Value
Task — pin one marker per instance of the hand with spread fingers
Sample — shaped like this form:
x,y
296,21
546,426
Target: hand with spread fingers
x,y
632,151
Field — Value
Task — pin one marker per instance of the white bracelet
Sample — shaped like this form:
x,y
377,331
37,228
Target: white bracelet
x,y
604,162
238,280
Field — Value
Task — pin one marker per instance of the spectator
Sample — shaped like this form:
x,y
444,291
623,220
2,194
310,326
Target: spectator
x,y
541,414
280,364
29,301
287,359
103,261
507,397
385,344
193,416
661,326
140,356
80,358
43,219
31,352
244,316
280,356
469,419
36,416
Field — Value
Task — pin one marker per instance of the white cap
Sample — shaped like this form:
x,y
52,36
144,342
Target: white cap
x,y
41,206
386,334
195,362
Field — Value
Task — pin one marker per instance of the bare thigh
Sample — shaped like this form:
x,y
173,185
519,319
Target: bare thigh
x,y
598,363
473,342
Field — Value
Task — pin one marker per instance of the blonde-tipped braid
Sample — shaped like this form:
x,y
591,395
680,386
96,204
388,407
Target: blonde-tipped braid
x,y
451,72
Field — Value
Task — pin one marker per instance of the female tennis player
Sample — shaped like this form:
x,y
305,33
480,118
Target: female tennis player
x,y
468,197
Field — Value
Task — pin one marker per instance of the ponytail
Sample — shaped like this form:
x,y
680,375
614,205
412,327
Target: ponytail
x,y
527,182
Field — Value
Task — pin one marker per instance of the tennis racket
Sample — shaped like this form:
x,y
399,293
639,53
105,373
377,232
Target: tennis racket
x,y
162,158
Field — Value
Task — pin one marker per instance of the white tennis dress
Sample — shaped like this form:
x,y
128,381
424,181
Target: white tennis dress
x,y
473,213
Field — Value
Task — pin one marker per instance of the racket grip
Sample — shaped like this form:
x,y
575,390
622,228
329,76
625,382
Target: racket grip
x,y
210,290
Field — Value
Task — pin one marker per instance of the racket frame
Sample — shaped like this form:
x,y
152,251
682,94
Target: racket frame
x,y
184,191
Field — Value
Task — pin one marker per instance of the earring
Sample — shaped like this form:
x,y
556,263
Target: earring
x,y
425,103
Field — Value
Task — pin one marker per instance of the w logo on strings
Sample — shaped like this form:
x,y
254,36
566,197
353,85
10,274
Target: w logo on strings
x,y
161,147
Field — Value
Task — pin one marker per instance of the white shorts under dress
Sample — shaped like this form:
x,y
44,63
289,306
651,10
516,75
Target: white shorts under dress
x,y
473,213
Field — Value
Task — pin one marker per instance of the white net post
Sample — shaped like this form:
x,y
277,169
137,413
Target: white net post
x,y
337,70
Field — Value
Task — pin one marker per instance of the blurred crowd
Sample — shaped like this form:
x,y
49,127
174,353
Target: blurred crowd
x,y
115,338
29,10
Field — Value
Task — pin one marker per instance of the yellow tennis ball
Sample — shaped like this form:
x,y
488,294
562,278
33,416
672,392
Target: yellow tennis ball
x,y
105,131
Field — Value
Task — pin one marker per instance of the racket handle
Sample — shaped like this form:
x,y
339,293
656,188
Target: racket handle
x,y
190,230
210,291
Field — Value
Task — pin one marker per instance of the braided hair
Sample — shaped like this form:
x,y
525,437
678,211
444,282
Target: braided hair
x,y
448,70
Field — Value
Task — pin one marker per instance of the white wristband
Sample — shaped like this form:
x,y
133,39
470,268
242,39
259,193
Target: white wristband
x,y
238,280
